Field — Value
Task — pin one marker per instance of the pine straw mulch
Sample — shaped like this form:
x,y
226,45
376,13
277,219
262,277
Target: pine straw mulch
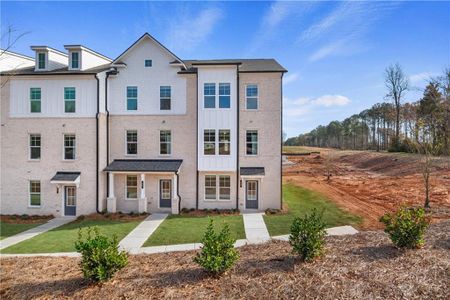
x,y
113,216
24,219
363,266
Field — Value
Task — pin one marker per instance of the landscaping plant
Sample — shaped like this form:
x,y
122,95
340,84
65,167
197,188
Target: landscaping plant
x,y
307,236
406,227
218,253
100,256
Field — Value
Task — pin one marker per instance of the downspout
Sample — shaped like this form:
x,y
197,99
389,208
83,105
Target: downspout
x,y
97,158
281,147
178,192
237,138
111,72
197,154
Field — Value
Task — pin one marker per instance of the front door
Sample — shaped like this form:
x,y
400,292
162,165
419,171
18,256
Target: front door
x,y
165,193
70,201
251,194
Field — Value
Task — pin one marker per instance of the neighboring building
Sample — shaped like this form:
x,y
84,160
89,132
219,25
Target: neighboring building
x,y
11,61
146,131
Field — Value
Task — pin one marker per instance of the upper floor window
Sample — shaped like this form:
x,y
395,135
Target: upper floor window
x,y
209,91
69,99
132,94
252,96
209,142
131,142
35,100
41,61
35,146
148,62
252,142
69,146
35,193
224,95
164,97
75,60
224,142
165,142
131,192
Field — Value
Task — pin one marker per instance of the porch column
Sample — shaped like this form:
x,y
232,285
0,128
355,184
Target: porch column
x,y
142,198
175,195
111,201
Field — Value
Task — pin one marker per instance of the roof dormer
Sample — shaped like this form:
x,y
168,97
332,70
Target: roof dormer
x,y
49,59
82,58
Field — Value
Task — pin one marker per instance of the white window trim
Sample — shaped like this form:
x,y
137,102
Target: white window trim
x,y
218,188
218,143
126,187
204,188
29,194
257,143
29,147
215,142
46,61
165,98
126,142
64,97
137,98
64,147
171,142
217,199
79,60
30,100
257,98
218,97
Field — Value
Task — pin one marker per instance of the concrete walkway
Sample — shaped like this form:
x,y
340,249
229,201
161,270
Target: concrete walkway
x,y
255,228
137,237
28,234
341,230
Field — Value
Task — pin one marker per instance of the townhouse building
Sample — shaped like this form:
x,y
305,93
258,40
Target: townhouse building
x,y
144,132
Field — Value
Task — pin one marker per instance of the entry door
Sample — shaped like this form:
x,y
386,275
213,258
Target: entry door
x,y
70,201
251,194
165,193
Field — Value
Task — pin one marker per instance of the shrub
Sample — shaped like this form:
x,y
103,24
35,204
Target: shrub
x,y
100,256
406,227
218,253
307,236
24,217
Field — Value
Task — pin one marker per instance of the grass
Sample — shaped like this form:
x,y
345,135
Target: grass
x,y
10,229
62,239
179,229
295,149
301,201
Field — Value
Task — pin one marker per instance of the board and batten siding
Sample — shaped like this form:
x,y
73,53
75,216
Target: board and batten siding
x,y
217,118
148,81
52,96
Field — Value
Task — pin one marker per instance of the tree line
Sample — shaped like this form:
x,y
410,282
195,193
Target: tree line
x,y
392,125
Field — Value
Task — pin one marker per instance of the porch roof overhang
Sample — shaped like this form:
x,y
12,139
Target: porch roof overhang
x,y
252,171
144,165
64,177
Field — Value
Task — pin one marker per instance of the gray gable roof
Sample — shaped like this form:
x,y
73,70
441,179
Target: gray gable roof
x,y
251,171
65,176
144,165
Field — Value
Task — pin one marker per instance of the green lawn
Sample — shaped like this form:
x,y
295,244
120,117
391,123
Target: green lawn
x,y
62,239
300,201
10,229
179,229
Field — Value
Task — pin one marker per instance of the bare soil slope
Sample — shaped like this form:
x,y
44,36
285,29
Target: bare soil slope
x,y
371,183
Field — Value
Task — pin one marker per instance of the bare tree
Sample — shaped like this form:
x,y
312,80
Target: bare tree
x,y
397,84
427,165
8,39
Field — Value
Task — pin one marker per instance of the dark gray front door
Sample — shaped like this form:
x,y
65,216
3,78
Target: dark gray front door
x,y
70,201
251,194
165,193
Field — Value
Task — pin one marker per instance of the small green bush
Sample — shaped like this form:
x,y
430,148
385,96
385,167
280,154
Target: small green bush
x,y
307,236
406,227
100,256
218,253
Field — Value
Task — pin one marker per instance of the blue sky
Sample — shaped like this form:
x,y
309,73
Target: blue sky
x,y
335,52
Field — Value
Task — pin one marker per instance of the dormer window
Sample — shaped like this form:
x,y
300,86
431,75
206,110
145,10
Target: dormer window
x,y
75,60
148,63
41,61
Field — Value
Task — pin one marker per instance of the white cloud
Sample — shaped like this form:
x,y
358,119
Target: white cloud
x,y
290,77
331,100
419,77
189,32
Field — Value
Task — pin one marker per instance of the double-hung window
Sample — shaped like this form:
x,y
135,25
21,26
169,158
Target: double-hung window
x,y
35,193
69,99
209,142
69,146
164,97
132,95
132,142
224,142
252,142
224,187
224,95
165,141
35,100
131,187
209,91
252,96
41,61
75,60
35,146
210,187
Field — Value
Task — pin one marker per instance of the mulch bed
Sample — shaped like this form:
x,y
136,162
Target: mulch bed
x,y
209,212
24,219
113,216
363,266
